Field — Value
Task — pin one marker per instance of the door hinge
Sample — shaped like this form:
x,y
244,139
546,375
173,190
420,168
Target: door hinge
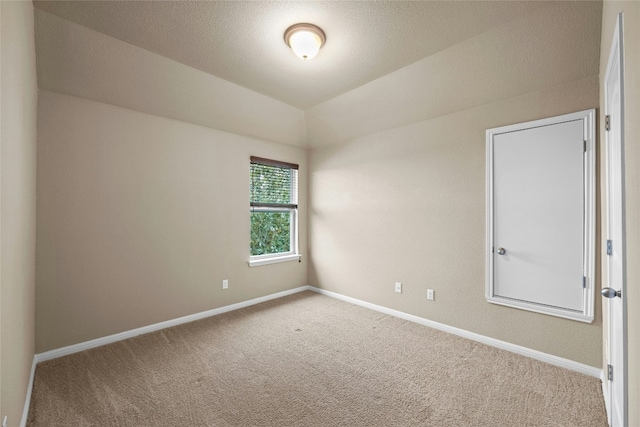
x,y
584,146
607,122
610,372
584,282
609,247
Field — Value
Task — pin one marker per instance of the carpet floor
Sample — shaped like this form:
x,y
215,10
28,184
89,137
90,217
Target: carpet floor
x,y
308,360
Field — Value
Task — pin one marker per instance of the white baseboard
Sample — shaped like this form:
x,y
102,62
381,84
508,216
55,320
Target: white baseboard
x,y
98,342
524,351
27,400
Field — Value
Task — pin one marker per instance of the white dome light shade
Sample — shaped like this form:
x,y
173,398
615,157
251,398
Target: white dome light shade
x,y
305,40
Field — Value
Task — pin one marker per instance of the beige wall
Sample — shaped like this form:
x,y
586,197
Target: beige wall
x,y
397,184
141,217
18,205
408,205
81,62
631,42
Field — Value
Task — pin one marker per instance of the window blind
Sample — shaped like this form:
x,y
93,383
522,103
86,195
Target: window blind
x,y
274,184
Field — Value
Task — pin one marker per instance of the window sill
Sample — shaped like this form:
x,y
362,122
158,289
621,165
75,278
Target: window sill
x,y
273,260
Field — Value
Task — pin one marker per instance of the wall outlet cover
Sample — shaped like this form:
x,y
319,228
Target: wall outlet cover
x,y
398,287
225,284
430,294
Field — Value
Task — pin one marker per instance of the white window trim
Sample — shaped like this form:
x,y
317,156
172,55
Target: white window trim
x,y
259,260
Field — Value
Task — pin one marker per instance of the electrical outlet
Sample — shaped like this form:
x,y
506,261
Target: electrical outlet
x,y
225,284
399,287
430,294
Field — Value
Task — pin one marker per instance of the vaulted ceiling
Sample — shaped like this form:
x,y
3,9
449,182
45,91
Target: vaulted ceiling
x,y
225,65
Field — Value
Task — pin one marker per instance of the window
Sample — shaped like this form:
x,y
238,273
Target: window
x,y
273,211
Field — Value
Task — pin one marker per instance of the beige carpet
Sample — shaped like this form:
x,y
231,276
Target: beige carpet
x,y
308,360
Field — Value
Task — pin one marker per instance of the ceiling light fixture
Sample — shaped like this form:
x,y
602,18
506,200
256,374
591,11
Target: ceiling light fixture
x,y
305,40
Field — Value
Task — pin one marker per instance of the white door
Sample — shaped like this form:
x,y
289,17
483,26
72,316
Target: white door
x,y
538,215
615,245
540,205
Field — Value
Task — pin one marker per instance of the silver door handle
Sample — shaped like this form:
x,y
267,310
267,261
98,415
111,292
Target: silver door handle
x,y
502,251
610,293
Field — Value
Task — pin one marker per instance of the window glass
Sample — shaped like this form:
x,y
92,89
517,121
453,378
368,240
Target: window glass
x,y
270,232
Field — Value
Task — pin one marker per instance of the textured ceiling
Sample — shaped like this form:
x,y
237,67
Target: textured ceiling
x,y
242,41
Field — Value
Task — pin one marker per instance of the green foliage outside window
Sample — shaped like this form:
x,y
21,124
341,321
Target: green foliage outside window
x,y
270,232
271,227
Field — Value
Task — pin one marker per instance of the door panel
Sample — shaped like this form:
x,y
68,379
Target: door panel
x,y
538,215
614,227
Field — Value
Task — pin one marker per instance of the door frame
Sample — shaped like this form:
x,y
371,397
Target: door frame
x,y
587,315
616,54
